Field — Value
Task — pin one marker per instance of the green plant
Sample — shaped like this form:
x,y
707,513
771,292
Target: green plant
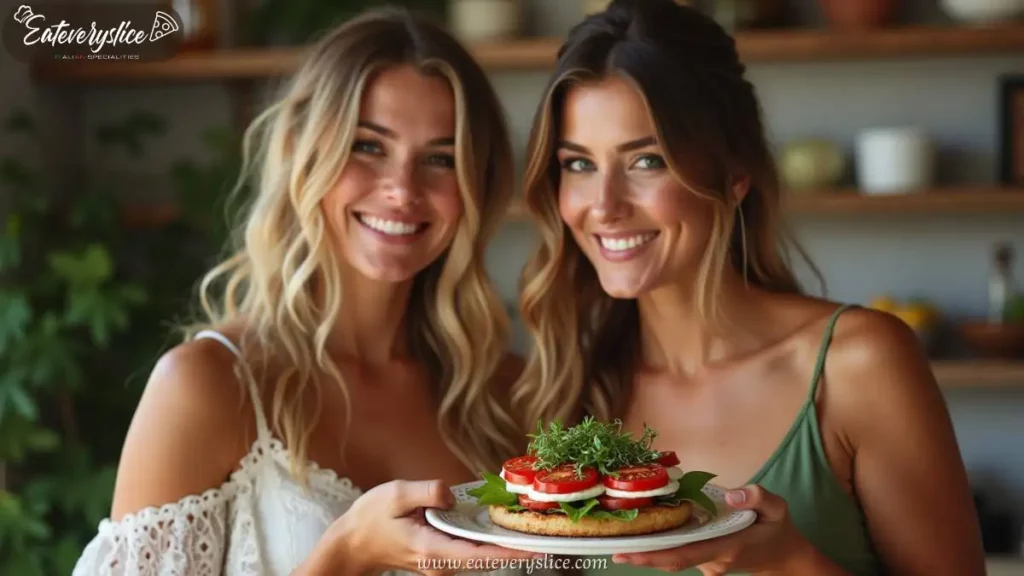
x,y
300,21
1015,309
205,191
84,306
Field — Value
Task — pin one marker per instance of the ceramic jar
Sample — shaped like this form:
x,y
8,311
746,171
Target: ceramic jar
x,y
983,11
485,20
811,164
894,160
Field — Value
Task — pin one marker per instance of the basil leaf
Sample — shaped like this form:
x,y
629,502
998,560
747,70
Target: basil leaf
x,y
691,488
574,513
493,492
624,515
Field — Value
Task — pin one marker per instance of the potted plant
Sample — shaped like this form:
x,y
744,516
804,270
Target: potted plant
x,y
84,312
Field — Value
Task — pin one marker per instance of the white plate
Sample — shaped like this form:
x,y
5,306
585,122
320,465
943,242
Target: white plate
x,y
468,520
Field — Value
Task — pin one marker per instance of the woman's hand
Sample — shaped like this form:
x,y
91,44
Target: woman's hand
x,y
385,529
771,545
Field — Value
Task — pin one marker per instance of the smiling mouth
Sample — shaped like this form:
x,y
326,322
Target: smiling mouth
x,y
623,244
388,227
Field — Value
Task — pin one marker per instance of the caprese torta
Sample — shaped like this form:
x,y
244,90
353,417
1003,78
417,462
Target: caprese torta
x,y
592,480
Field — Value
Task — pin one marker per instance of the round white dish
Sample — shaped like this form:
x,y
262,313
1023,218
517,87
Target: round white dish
x,y
468,520
983,11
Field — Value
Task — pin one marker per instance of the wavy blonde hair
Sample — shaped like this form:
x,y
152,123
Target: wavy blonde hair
x,y
283,282
708,121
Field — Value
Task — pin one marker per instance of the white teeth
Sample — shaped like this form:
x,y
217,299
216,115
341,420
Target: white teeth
x,y
620,244
389,226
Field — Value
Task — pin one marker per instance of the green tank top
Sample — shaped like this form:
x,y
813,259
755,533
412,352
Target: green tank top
x,y
799,472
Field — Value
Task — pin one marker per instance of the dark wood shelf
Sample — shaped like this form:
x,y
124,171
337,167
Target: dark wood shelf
x,y
951,374
979,373
958,200
780,45
886,43
938,201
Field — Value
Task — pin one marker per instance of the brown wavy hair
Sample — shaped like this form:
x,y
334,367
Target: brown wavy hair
x,y
708,121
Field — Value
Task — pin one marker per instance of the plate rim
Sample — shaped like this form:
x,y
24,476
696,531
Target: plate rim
x,y
433,517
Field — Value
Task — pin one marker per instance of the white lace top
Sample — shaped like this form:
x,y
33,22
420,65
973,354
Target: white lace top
x,y
260,522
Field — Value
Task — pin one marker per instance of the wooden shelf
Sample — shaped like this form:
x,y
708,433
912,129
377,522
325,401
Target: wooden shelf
x,y
951,374
952,201
782,45
937,201
979,373
963,200
888,43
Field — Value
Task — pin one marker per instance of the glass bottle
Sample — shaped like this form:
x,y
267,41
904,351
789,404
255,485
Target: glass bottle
x,y
1000,284
200,23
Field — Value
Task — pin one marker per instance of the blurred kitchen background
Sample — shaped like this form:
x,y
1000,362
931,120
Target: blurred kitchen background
x,y
899,127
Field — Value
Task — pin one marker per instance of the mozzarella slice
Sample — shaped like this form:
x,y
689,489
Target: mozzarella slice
x,y
674,472
665,490
515,488
593,492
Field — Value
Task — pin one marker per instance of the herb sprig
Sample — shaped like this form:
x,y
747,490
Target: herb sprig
x,y
603,446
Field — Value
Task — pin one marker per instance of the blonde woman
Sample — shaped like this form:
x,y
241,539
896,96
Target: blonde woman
x,y
353,363
662,294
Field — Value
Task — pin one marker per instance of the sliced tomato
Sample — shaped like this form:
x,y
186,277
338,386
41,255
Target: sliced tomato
x,y
612,503
519,470
536,505
563,480
668,459
638,478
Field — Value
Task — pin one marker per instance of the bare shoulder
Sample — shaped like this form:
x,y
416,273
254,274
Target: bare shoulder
x,y
876,362
909,476
873,352
864,333
189,429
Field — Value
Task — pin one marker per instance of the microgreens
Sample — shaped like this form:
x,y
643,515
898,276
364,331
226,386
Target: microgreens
x,y
603,446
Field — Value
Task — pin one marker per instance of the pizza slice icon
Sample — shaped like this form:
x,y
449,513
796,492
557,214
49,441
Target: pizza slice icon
x,y
163,24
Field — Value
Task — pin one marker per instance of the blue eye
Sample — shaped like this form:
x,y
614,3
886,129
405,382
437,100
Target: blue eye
x,y
577,165
366,147
441,160
650,162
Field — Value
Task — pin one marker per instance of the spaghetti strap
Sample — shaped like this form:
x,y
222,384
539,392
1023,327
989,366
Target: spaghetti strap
x,y
819,365
223,340
262,430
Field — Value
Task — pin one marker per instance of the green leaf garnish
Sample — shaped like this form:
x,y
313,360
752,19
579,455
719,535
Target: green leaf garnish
x,y
493,492
691,487
623,515
576,512
590,507
603,446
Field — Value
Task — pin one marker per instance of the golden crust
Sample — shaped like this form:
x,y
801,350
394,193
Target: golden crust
x,y
650,520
